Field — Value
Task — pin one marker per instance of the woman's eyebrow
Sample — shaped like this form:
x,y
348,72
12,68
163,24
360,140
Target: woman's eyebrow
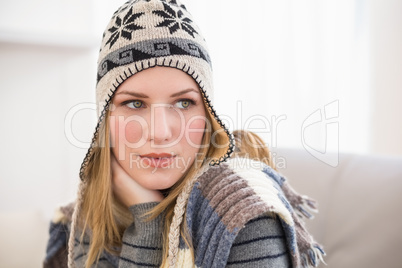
x,y
141,95
135,94
183,92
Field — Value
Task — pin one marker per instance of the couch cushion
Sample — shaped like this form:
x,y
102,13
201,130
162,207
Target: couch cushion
x,y
359,200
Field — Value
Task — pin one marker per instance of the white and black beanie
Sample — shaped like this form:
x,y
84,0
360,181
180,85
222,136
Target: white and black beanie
x,y
146,33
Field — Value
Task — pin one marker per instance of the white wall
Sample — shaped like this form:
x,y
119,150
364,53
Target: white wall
x,y
287,60
47,55
386,76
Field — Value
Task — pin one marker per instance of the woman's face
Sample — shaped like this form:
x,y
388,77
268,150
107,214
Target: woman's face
x,y
157,123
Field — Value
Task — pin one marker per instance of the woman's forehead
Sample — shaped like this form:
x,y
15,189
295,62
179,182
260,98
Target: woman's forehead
x,y
167,81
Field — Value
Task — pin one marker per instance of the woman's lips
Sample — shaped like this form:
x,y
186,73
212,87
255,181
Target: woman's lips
x,y
161,160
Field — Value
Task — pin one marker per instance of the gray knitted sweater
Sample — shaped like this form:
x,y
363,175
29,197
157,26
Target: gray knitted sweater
x,y
142,243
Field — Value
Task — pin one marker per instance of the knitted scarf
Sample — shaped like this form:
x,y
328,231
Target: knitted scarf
x,y
233,193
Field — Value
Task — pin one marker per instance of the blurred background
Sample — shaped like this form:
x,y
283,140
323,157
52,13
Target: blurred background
x,y
319,76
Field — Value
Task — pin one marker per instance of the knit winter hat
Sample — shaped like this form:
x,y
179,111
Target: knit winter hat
x,y
146,33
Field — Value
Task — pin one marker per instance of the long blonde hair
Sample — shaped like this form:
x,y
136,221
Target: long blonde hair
x,y
106,218
250,145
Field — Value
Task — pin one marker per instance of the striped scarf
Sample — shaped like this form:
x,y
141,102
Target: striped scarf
x,y
230,195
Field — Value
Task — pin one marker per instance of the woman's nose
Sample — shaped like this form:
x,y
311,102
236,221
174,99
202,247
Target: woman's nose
x,y
161,123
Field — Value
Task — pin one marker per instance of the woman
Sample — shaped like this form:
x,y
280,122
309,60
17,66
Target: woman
x,y
158,187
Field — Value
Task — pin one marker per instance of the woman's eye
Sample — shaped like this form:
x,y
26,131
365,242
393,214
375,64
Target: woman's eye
x,y
135,104
183,104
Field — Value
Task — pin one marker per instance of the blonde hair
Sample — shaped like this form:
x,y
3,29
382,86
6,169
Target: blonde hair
x,y
250,145
105,218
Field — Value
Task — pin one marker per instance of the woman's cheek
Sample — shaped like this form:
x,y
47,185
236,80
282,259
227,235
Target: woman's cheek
x,y
127,131
195,130
134,132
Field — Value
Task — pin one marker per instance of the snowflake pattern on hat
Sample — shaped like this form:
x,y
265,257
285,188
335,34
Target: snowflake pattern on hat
x,y
174,20
124,27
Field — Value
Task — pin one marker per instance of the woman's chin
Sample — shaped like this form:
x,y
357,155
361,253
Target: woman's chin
x,y
158,179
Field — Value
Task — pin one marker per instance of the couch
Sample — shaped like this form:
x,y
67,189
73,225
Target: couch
x,y
360,204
